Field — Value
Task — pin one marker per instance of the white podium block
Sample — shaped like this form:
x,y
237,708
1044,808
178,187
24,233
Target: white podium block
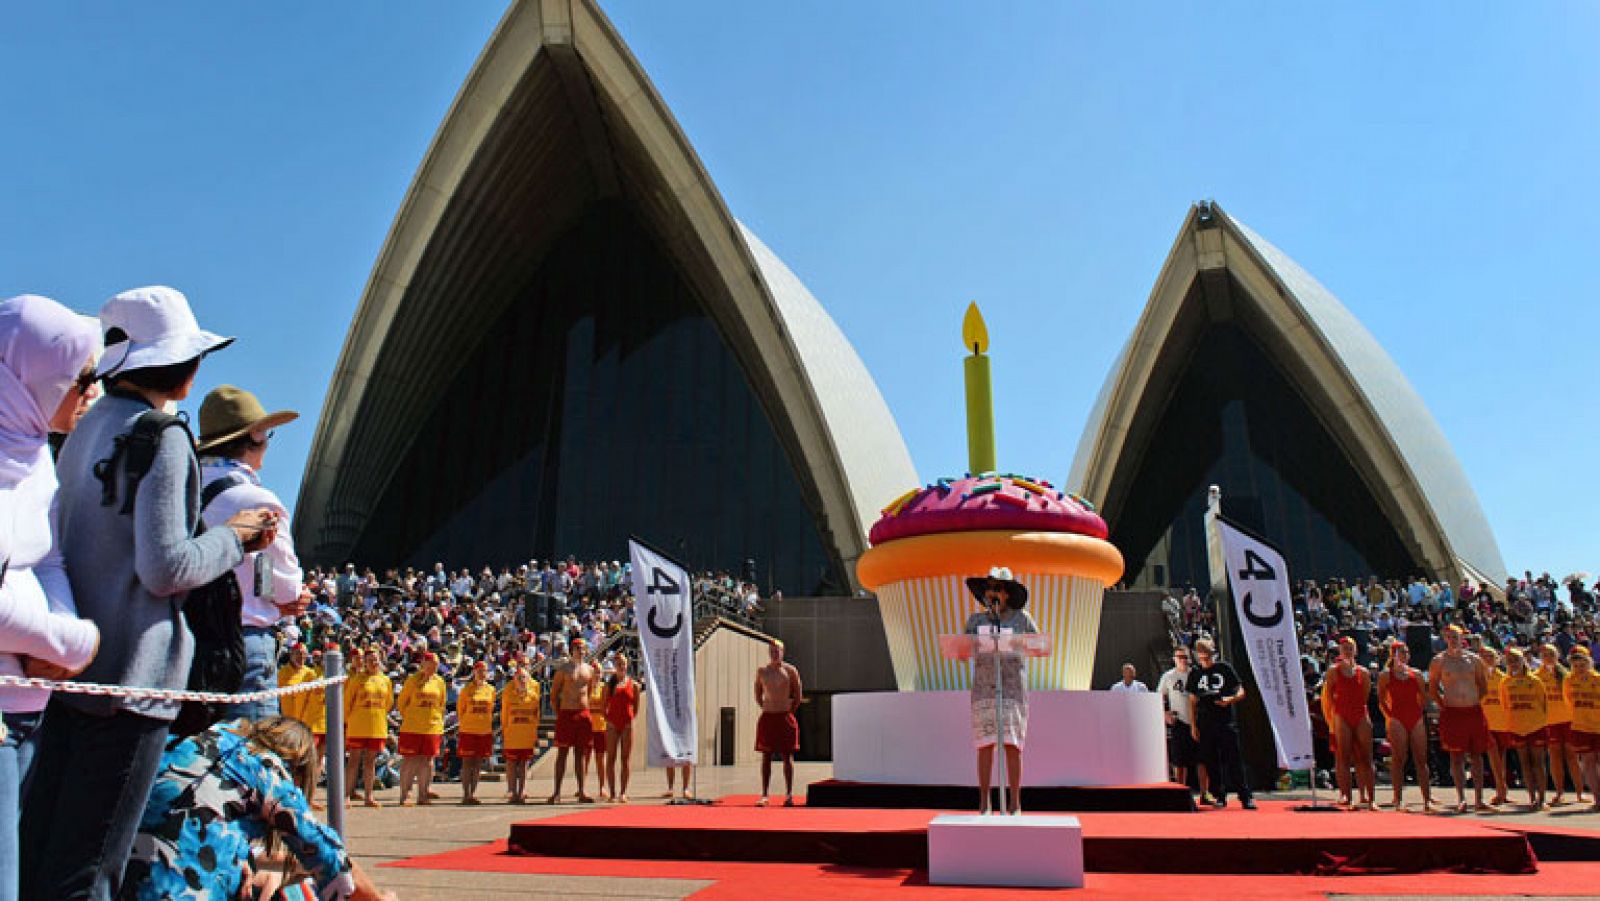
x,y
1027,850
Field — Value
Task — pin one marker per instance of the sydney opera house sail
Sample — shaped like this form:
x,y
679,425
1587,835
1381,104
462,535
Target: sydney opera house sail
x,y
568,339
1246,373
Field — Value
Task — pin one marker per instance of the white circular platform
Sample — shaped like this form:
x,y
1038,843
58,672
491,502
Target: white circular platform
x,y
1083,738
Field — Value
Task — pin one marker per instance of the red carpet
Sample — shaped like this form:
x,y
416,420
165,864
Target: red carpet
x,y
1275,839
1166,797
808,882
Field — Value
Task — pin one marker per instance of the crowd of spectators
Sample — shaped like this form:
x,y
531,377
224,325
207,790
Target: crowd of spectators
x,y
1525,613
528,615
507,618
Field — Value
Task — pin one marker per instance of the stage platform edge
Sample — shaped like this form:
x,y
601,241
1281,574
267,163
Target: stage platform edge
x,y
1552,843
1275,839
1168,797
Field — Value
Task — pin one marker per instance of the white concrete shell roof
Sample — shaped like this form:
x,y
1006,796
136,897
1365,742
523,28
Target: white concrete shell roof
x,y
555,115
1352,385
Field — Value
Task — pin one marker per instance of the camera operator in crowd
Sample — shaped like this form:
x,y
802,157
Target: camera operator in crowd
x,y
235,431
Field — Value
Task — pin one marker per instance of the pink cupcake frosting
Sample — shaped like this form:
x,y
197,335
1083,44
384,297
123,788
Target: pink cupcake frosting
x,y
989,502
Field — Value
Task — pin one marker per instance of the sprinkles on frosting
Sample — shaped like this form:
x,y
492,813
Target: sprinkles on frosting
x,y
900,502
990,500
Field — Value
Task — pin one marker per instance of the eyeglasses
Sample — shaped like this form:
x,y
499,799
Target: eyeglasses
x,y
84,383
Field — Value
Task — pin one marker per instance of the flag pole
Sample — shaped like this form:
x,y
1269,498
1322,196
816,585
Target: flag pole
x,y
1316,805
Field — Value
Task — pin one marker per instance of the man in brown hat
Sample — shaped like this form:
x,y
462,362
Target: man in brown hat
x,y
235,431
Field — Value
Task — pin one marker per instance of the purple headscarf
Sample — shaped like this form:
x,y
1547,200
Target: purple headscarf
x,y
43,348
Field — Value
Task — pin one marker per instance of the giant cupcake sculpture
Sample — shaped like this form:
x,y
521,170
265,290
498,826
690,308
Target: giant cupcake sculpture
x,y
932,538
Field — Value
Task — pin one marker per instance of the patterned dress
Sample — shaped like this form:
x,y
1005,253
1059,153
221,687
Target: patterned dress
x,y
1014,678
213,796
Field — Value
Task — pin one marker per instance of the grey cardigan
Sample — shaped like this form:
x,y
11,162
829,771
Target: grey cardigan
x,y
130,574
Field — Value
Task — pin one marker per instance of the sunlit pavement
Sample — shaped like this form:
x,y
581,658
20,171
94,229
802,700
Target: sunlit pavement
x,y
395,833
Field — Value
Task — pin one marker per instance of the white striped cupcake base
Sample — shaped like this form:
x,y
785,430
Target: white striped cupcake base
x,y
917,611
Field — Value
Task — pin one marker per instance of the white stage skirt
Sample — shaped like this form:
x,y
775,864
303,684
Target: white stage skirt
x,y
1091,738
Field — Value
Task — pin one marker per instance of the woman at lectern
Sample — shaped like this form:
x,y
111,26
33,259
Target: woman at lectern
x,y
1003,598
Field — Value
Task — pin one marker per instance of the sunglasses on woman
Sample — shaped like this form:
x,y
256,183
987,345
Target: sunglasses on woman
x,y
84,383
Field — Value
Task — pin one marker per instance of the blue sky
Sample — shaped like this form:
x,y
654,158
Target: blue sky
x,y
1432,163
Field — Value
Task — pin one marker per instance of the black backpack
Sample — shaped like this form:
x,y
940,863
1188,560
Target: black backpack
x,y
213,611
214,614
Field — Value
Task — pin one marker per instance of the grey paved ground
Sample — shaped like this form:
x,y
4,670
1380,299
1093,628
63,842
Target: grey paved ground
x,y
396,833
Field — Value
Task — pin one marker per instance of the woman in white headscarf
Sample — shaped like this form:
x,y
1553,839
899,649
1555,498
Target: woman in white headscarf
x,y
47,356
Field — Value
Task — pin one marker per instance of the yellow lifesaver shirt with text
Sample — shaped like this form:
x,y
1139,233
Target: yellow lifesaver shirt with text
x,y
519,715
422,705
1555,702
367,699
475,709
1524,698
1583,696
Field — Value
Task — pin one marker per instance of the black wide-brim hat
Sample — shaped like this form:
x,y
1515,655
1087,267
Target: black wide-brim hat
x,y
1001,576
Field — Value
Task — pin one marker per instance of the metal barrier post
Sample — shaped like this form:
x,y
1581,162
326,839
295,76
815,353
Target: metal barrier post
x,y
332,668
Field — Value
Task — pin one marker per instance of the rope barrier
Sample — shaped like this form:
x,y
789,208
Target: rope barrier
x,y
166,694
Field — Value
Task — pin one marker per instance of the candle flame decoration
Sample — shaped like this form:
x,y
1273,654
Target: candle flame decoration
x,y
974,333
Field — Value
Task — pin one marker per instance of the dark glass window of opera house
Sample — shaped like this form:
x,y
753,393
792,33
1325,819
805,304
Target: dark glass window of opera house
x,y
602,403
1235,419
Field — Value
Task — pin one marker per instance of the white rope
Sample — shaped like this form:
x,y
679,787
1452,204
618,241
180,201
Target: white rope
x,y
165,694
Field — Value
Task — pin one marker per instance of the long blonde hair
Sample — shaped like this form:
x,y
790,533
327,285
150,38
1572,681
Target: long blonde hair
x,y
1516,660
291,741
1555,663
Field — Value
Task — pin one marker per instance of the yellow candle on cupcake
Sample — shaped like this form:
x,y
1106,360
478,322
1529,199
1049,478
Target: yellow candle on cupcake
x,y
980,392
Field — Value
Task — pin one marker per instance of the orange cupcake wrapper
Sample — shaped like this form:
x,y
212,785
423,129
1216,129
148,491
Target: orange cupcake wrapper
x,y
973,553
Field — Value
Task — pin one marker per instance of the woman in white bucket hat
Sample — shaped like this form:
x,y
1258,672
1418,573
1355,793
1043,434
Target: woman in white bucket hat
x,y
153,328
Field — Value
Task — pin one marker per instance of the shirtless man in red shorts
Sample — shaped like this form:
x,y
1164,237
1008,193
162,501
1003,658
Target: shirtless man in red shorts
x,y
1457,682
778,692
1351,686
570,690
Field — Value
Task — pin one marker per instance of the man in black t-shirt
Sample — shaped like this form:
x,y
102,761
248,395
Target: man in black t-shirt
x,y
1214,690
